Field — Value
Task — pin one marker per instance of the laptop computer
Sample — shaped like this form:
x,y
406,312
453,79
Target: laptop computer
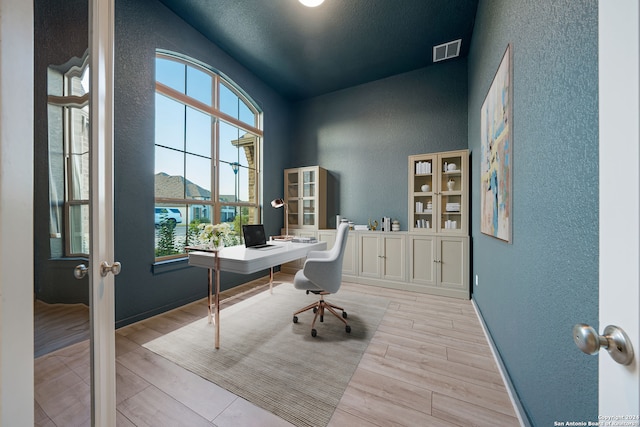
x,y
254,237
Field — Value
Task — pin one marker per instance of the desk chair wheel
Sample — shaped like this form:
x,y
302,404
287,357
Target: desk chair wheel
x,y
344,315
314,333
348,329
295,319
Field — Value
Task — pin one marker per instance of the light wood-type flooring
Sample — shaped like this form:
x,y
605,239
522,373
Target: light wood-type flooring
x,y
58,325
428,364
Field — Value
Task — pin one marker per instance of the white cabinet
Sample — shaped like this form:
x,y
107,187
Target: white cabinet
x,y
382,256
439,265
439,223
305,192
426,263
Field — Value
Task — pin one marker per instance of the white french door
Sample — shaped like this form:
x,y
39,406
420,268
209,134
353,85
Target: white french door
x,y
16,207
619,284
103,267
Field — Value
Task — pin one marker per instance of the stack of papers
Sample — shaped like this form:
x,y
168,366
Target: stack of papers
x,y
304,240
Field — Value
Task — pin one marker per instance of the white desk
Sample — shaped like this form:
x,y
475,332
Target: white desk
x,y
239,259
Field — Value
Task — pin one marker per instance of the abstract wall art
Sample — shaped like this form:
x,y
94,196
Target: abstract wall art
x,y
496,153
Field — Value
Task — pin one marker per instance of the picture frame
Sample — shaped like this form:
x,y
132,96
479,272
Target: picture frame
x,y
496,153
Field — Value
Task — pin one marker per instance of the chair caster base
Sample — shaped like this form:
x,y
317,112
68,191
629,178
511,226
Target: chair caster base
x,y
295,319
314,333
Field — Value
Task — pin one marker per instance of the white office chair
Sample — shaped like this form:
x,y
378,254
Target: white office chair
x,y
322,275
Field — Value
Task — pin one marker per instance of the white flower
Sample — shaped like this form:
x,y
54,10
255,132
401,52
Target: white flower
x,y
213,234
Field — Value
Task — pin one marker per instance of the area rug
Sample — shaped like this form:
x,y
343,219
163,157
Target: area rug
x,y
275,364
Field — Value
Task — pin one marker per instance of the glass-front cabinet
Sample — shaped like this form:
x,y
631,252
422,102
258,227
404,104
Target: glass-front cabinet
x,y
439,223
305,192
438,192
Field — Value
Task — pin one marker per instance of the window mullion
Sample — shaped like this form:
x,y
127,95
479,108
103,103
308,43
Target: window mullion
x,y
215,175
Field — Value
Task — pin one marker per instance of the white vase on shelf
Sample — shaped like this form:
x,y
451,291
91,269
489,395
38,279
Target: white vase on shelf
x,y
451,184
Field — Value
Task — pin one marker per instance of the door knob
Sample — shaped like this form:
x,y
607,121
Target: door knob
x,y
614,339
80,271
105,268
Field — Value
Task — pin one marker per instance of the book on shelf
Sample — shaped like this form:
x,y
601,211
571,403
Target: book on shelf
x,y
386,223
422,223
423,168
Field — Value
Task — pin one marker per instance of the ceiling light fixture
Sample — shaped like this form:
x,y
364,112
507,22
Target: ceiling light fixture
x,y
311,3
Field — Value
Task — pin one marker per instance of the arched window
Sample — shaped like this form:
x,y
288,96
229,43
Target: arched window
x,y
208,138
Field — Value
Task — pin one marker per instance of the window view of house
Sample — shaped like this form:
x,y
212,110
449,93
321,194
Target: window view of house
x,y
207,147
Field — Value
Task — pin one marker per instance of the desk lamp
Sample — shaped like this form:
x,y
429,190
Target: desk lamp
x,y
278,203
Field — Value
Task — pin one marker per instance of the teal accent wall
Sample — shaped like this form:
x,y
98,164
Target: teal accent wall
x,y
364,134
533,291
142,26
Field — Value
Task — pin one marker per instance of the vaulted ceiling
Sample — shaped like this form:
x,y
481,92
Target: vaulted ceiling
x,y
304,52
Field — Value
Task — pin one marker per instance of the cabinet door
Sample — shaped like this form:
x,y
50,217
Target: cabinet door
x,y
292,196
393,257
453,272
369,262
328,236
423,187
308,198
422,260
453,192
350,261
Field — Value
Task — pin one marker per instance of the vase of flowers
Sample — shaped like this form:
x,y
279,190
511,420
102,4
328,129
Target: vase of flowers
x,y
213,236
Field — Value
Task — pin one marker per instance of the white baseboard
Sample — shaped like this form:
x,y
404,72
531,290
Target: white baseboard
x,y
517,406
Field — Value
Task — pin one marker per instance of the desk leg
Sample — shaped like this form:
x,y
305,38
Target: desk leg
x,y
209,295
271,280
217,302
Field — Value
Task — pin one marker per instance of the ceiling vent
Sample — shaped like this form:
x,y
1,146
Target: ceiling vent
x,y
446,50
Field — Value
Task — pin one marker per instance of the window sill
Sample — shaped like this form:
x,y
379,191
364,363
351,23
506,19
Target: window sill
x,y
168,266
